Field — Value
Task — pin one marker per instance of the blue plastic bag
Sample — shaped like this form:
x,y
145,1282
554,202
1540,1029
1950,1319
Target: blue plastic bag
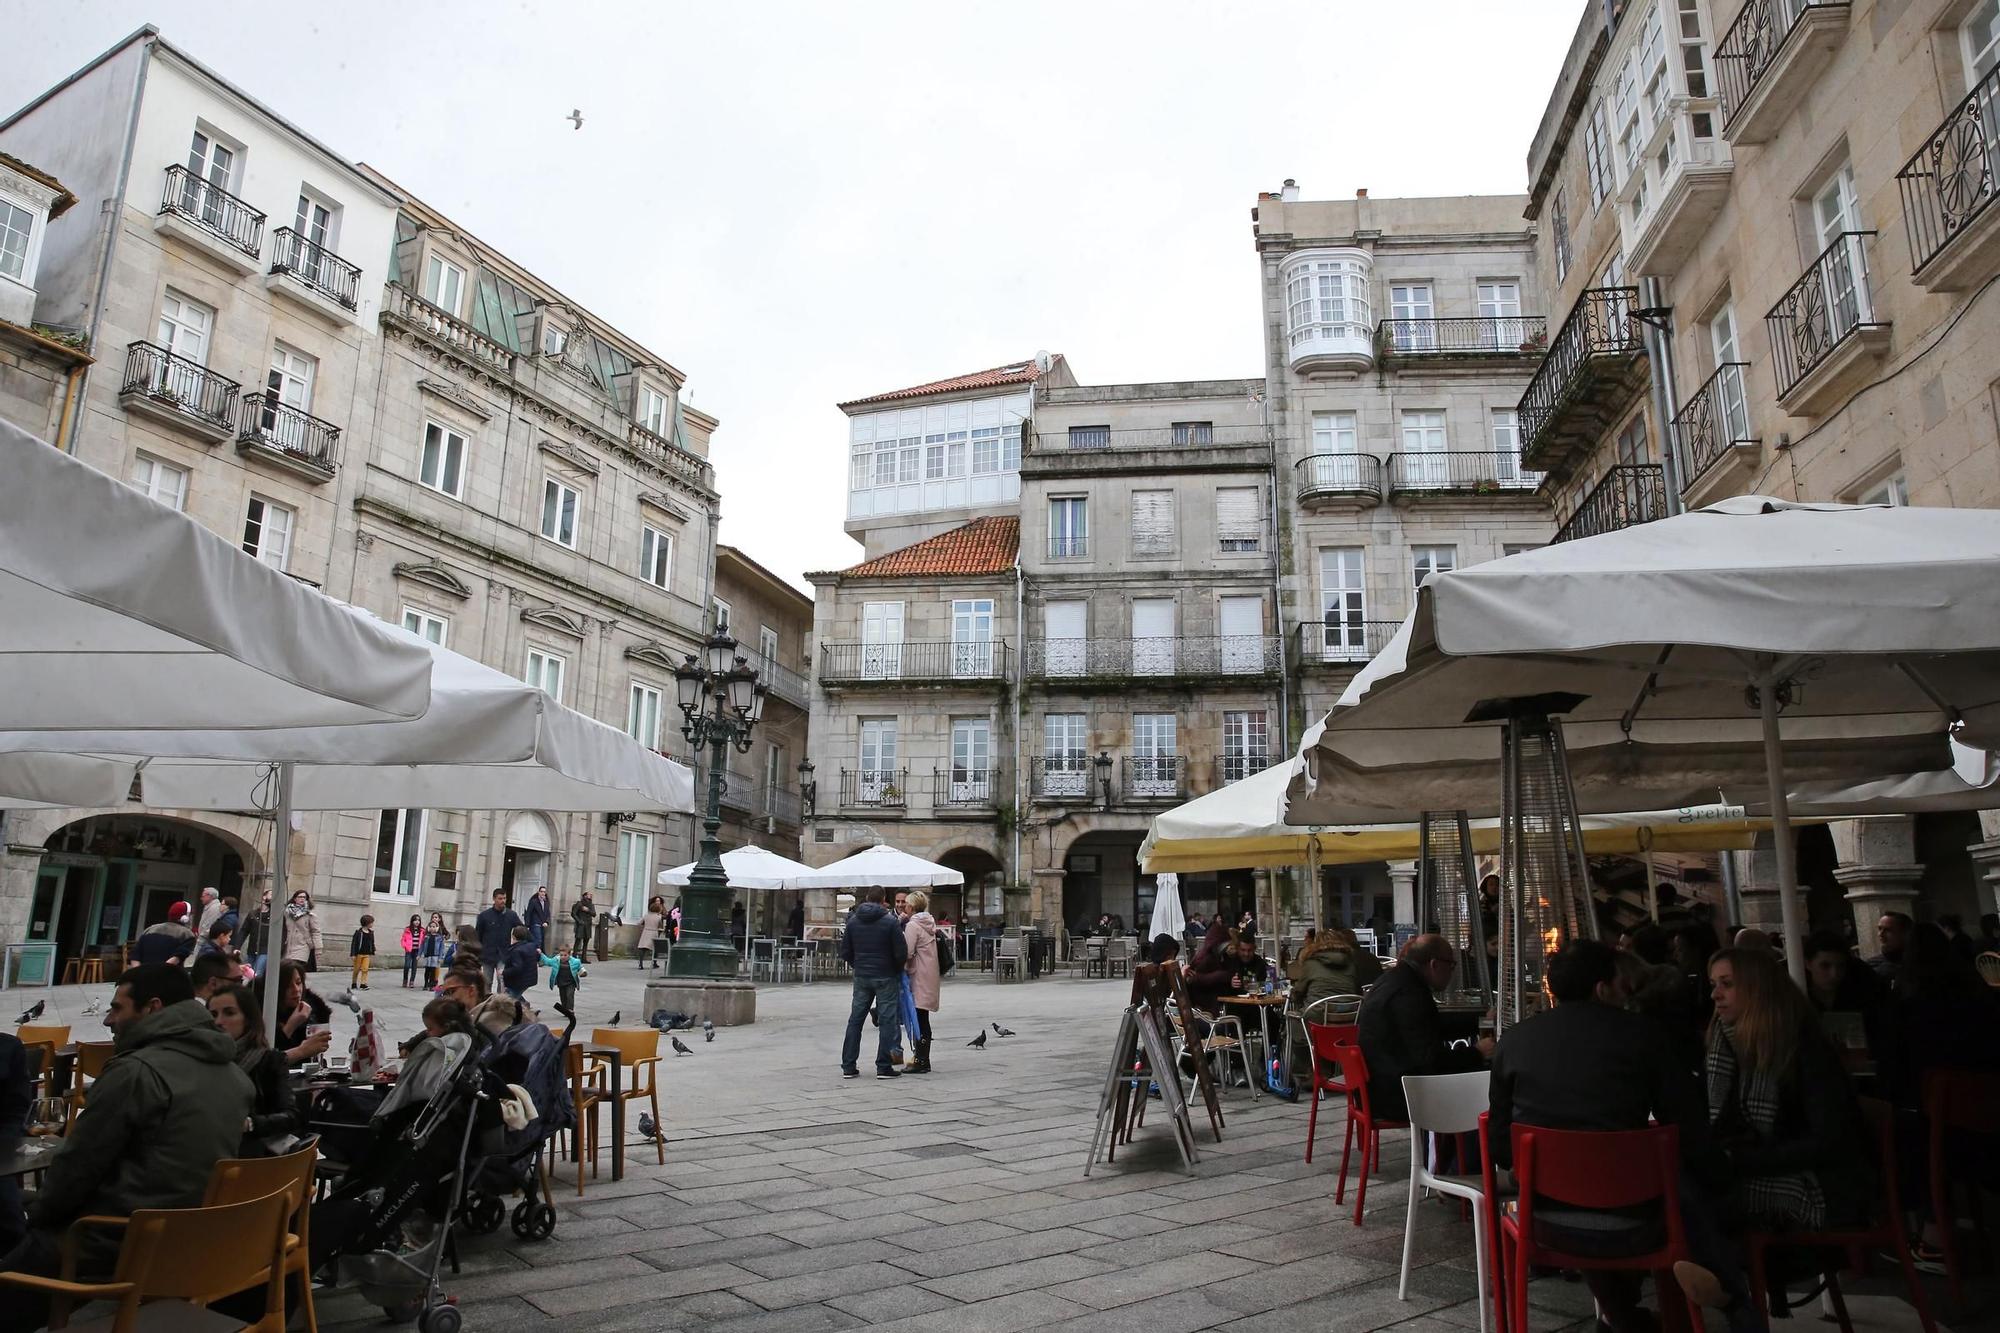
x,y
909,1010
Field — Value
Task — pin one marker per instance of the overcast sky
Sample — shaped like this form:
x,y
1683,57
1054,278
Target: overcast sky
x,y
799,203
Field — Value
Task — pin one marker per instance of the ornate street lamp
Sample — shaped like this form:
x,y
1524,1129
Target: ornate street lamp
x,y
1103,765
808,789
721,702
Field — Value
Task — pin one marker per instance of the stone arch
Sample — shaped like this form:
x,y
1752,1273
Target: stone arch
x,y
975,900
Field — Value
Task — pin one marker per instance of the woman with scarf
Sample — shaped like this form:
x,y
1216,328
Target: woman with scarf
x,y
301,932
273,1114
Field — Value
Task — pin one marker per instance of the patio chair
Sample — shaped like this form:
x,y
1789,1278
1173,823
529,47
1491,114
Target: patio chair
x,y
1093,956
1321,1038
586,1090
1225,1038
1118,958
91,1057
639,1050
1956,1101
1007,958
1361,1118
1446,1104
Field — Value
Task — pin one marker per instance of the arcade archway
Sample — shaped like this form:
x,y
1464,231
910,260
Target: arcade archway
x,y
105,878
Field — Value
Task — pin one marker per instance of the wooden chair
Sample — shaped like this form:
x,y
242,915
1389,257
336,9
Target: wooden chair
x,y
91,1057
56,1034
41,1042
174,1261
586,1090
241,1179
640,1049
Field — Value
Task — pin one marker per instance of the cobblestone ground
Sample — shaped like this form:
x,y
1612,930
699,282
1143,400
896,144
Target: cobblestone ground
x,y
793,1200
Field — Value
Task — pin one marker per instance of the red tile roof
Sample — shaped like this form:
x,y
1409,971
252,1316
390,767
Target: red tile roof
x,y
1017,372
983,546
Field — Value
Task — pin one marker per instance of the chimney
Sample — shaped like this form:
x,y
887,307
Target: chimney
x,y
1361,194
1291,191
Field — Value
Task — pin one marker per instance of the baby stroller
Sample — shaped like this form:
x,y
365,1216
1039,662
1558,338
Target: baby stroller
x,y
528,1056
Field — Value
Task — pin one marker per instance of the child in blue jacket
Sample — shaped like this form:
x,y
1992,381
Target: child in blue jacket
x,y
565,974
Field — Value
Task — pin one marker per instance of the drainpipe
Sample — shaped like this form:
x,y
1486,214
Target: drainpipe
x,y
1660,350
1020,677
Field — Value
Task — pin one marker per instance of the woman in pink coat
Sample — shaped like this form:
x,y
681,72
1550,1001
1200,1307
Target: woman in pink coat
x,y
920,933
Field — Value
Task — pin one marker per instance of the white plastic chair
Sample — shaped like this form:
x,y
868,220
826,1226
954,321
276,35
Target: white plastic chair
x,y
1445,1104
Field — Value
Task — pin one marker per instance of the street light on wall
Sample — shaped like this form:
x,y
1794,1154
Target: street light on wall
x,y
1103,764
808,789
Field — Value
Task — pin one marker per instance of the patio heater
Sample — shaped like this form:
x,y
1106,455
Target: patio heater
x,y
1448,897
1545,897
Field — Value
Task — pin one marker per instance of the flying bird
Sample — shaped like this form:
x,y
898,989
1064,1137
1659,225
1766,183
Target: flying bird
x,y
680,1048
979,1040
33,1013
575,117
1002,1032
616,1014
708,1029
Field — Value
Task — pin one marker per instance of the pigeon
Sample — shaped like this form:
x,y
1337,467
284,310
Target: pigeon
x,y
35,1011
347,998
615,1016
648,1130
575,117
708,1029
680,1047
979,1040
1002,1032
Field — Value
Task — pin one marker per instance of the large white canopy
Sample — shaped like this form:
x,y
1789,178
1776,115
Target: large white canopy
x,y
880,865
747,868
121,613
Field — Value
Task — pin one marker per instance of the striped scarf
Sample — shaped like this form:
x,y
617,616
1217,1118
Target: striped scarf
x,y
1794,1200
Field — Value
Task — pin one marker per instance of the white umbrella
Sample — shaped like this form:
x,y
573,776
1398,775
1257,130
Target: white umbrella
x,y
746,868
121,613
1677,645
880,865
1167,918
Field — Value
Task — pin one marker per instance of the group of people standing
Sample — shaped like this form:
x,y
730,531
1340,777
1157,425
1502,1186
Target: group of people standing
x,y
220,930
888,942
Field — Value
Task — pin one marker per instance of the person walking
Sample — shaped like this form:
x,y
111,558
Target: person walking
x,y
361,953
211,912
920,938
301,932
538,915
874,947
655,932
413,948
582,917
436,942
495,927
565,975
517,967
256,935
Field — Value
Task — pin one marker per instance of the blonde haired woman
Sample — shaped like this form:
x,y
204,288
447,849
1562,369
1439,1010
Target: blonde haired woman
x,y
920,933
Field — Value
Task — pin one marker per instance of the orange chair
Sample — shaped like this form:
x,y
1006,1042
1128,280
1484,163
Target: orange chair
x,y
1361,1113
240,1179
56,1034
1321,1038
640,1052
1968,1102
586,1090
91,1057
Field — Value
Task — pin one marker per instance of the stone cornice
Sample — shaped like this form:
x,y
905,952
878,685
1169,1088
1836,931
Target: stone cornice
x,y
433,574
456,395
569,453
555,618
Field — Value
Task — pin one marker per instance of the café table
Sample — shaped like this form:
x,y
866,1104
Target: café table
x,y
1262,1005
29,1155
616,1059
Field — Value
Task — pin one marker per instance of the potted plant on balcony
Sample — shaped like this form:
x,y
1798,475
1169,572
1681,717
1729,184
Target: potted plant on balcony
x,y
1535,343
891,794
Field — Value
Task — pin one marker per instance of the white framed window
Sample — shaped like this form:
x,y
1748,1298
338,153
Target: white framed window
x,y
719,612
442,465
545,672
1334,433
159,480
17,226
642,715
1506,443
909,464
1241,622
1499,303
1153,636
1239,522
1732,403
267,532
1193,432
1335,460
1153,523
184,326
1069,527
972,636
314,221
1064,648
971,760
1246,743
1155,755
444,284
882,640
654,411
635,873
934,457
1343,604
1633,444
656,556
426,624
767,643
1559,234
559,509
879,780
290,378
1596,157
1892,490
1837,223
1979,38
211,160
1065,754
1424,449
1327,298
399,854
555,339
1428,560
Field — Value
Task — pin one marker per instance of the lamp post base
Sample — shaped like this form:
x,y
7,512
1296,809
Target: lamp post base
x,y
730,1003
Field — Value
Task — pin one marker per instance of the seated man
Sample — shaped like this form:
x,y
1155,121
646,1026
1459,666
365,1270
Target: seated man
x,y
1400,1030
211,972
170,1103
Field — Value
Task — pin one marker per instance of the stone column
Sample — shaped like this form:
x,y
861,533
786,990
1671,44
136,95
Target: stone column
x,y
1878,868
1757,889
1403,887
1986,860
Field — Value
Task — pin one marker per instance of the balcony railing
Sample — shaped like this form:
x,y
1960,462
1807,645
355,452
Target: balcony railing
x,y
1340,641
185,386
659,449
213,209
1753,44
1236,767
1327,476
1218,655
878,788
1063,777
1155,777
976,660
1069,548
1630,494
1951,180
275,424
786,683
1186,435
1464,335
1712,422
1600,328
316,266
440,325
1469,472
782,804
1829,304
959,788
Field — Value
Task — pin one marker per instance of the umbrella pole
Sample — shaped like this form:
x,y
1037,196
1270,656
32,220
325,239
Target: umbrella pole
x,y
1312,882
281,846
1781,833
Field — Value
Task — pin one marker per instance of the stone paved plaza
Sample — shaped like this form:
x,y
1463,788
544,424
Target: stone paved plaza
x,y
794,1200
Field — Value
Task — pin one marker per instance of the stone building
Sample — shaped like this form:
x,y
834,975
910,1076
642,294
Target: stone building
x,y
41,366
372,400
1826,170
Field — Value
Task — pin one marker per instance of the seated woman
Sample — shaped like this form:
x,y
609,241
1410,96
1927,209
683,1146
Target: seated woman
x,y
1212,970
273,1115
302,1016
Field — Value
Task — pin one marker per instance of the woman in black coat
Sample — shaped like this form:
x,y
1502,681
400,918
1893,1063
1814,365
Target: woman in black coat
x,y
273,1113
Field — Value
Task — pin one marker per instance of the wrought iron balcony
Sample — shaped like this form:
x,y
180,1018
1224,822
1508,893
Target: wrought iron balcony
x,y
1459,473
1185,435
1069,548
301,441
316,266
1629,494
1587,377
785,683
1948,186
875,788
978,661
1236,767
1169,657
1770,53
174,387
1712,423
403,306
1824,322
782,804
1063,777
213,209
1338,641
965,788
1329,477
1155,777
1464,336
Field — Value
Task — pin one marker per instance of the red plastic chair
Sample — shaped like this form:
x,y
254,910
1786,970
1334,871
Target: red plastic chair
x,y
1497,1271
1354,1077
1583,1169
1886,1232
1322,1038
1968,1101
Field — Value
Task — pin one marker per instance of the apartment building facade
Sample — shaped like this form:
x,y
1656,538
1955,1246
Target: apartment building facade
x,y
1825,170
41,366
772,623
370,399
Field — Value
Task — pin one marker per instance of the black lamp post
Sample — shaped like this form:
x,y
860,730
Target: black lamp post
x,y
1103,764
721,700
808,789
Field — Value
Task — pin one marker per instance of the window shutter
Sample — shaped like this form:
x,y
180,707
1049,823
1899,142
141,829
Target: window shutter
x,y
1152,522
1238,525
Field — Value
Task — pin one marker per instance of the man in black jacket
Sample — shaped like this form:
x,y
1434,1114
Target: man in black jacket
x,y
873,946
1401,1032
495,926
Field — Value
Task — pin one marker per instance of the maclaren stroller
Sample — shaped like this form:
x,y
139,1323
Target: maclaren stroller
x,y
435,1155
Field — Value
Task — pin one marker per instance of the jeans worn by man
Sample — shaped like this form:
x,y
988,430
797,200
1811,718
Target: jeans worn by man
x,y
874,947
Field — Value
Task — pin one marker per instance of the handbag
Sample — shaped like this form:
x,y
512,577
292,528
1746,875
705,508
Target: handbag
x,y
946,960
